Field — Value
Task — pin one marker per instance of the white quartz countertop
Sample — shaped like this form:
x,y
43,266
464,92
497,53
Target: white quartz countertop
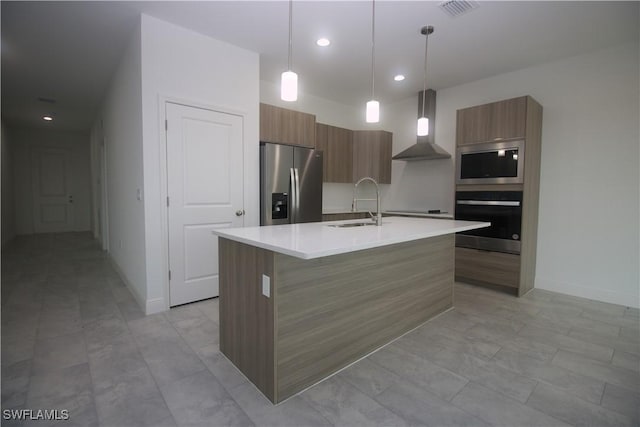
x,y
319,239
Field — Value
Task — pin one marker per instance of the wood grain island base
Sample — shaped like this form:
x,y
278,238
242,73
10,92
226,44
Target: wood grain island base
x,y
327,312
299,302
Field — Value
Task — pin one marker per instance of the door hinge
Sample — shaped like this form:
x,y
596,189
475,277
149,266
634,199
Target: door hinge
x,y
167,201
166,125
169,274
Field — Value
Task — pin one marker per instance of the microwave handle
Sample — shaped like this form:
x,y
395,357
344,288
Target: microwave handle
x,y
488,203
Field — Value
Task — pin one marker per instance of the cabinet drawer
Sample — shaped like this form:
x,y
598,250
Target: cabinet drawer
x,y
488,267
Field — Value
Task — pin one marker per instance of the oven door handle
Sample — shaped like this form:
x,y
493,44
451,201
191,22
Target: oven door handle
x,y
488,202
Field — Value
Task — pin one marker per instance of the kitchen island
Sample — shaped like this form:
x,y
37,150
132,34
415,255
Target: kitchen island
x,y
299,302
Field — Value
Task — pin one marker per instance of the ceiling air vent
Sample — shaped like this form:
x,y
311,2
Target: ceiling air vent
x,y
455,8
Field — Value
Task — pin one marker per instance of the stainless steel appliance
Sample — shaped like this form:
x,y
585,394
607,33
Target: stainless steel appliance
x,y
491,163
502,208
290,184
425,148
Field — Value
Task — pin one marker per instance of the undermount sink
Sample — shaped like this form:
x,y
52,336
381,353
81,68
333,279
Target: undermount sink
x,y
351,224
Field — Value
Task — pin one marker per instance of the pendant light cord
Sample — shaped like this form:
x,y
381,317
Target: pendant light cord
x,y
424,81
290,31
373,48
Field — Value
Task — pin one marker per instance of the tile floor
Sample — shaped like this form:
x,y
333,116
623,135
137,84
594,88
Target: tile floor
x,y
73,338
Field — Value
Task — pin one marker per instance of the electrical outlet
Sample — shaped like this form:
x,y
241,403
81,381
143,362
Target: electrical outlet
x,y
139,194
266,286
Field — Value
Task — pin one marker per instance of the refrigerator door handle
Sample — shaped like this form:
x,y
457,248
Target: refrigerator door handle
x,y
297,195
292,196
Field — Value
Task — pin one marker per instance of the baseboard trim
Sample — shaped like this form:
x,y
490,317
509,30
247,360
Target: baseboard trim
x,y
595,294
156,305
148,306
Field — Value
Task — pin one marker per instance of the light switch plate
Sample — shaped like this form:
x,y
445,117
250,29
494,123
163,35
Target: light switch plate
x,y
266,286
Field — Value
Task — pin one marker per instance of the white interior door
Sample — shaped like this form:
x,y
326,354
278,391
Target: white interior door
x,y
205,189
51,187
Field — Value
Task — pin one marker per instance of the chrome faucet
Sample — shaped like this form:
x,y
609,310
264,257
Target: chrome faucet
x,y
354,204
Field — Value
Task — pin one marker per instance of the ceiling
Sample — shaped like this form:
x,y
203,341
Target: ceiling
x,y
67,51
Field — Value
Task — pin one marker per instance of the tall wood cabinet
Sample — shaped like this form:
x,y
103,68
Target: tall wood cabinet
x,y
517,118
337,145
284,126
372,155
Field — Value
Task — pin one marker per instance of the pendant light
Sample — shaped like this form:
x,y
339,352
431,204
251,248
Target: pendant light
x,y
289,79
423,121
373,107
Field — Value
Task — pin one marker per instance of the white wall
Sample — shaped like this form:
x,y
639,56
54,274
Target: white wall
x,y
326,111
180,64
420,185
120,120
99,206
95,145
8,224
588,238
23,140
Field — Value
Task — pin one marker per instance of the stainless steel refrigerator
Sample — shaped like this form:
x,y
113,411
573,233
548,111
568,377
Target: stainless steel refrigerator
x,y
290,184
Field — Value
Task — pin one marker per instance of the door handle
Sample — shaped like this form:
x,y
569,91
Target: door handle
x,y
240,212
488,203
293,193
295,172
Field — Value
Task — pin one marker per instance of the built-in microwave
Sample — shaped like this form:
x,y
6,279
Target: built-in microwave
x,y
491,163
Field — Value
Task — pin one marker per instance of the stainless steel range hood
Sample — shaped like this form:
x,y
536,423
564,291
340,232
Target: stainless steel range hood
x,y
425,148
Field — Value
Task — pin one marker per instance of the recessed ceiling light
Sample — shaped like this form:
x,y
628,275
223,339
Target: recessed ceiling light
x,y
398,78
47,118
323,42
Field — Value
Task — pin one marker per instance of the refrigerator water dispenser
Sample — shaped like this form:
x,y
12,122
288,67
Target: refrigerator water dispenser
x,y
279,205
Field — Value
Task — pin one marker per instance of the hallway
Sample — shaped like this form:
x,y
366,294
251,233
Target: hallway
x,y
68,325
73,338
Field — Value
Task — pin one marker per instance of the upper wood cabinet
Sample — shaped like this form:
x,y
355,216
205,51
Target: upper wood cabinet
x,y
284,126
492,122
372,155
337,145
348,155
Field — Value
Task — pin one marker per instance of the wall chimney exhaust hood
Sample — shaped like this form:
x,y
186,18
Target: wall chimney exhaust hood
x,y
425,148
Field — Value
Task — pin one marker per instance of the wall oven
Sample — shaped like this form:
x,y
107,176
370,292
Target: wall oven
x,y
490,163
502,208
